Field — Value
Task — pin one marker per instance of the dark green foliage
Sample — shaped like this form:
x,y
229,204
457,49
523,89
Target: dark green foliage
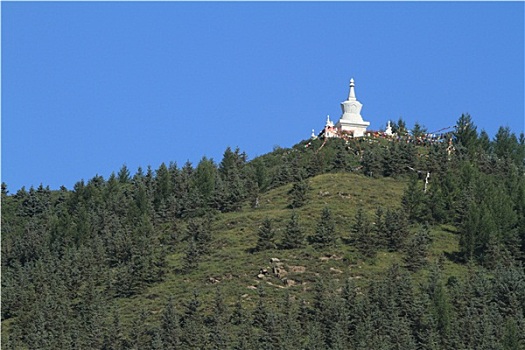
x,y
413,201
364,239
465,135
399,127
265,236
200,231
325,232
418,130
192,256
416,249
231,172
299,193
71,259
372,162
396,226
293,235
205,178
170,331
399,157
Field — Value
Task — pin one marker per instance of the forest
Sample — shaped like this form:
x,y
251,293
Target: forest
x,y
324,245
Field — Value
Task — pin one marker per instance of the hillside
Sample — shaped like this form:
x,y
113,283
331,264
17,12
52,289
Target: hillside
x,y
233,268
326,245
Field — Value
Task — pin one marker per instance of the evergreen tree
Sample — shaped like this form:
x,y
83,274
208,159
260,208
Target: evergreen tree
x,y
413,201
200,231
341,160
266,236
416,249
231,172
372,162
219,335
293,235
418,130
192,256
170,331
204,179
363,237
465,135
299,193
396,228
325,233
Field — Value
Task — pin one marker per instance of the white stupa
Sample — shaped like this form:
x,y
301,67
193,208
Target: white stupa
x,y
388,130
351,120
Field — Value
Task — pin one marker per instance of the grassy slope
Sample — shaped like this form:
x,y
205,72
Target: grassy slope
x,y
232,263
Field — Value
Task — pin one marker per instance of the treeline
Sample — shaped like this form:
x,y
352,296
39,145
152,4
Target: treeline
x,y
67,255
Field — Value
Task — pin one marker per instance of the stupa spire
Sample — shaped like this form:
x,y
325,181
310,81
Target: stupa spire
x,y
351,95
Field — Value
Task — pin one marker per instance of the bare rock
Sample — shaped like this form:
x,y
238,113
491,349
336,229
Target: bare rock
x,y
260,276
335,270
279,272
274,260
297,269
289,282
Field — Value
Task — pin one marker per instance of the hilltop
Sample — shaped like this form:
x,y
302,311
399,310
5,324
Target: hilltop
x,y
337,244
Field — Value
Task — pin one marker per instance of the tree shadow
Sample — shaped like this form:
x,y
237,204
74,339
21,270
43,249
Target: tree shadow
x,y
455,257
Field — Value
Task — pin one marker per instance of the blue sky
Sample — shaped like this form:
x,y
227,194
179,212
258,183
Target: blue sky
x,y
90,86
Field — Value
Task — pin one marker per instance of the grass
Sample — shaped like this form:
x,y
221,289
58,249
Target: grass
x,y
234,268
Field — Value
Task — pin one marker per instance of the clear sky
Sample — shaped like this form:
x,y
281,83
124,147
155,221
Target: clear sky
x,y
89,86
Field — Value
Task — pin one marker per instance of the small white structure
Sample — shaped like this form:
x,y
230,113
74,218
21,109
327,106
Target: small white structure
x,y
388,130
351,120
329,129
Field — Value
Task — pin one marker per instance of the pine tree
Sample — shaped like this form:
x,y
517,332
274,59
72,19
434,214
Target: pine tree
x,y
266,236
416,249
293,235
191,259
372,162
325,233
396,228
465,135
219,332
363,237
199,231
170,327
204,179
299,193
413,201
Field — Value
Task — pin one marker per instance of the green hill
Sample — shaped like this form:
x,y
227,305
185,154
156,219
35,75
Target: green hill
x,y
208,256
233,267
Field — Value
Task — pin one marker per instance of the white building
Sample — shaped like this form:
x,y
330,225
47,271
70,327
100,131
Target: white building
x,y
351,120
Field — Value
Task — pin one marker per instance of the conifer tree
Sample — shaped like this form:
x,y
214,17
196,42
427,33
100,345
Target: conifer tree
x,y
266,236
465,135
170,327
416,249
204,179
199,231
219,332
325,232
363,237
124,174
293,234
299,193
372,162
191,259
396,228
